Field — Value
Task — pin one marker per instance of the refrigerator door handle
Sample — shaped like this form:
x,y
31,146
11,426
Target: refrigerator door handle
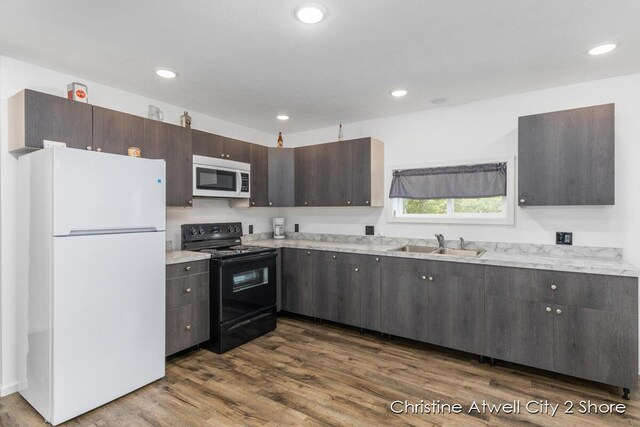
x,y
110,230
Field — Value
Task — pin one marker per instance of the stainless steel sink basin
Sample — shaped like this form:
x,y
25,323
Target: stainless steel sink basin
x,y
439,251
459,252
415,249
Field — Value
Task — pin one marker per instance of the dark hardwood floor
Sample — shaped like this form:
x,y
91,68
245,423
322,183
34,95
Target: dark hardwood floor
x,y
322,374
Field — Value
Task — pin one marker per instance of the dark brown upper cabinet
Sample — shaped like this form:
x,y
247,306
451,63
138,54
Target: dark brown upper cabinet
x,y
347,173
114,132
281,177
173,144
210,145
259,181
567,157
36,116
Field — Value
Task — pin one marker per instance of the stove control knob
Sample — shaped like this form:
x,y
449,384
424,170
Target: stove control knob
x,y
193,231
201,230
231,229
237,229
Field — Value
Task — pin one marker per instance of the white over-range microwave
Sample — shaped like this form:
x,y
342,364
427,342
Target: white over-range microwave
x,y
221,178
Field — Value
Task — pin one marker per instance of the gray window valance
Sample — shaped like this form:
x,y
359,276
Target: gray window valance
x,y
485,180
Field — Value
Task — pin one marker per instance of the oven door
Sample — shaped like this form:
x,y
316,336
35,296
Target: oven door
x,y
248,285
212,181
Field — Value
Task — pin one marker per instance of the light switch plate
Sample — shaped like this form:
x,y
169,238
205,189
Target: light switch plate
x,y
564,238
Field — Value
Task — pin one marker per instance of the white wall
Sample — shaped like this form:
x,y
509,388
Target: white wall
x,y
485,129
15,76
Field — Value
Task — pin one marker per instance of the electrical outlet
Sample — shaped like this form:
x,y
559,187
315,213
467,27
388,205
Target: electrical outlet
x,y
369,230
251,229
564,238
296,228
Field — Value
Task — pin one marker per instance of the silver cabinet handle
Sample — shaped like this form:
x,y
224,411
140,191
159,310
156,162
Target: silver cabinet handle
x,y
554,287
334,257
366,202
253,203
424,277
306,203
190,202
356,269
270,204
188,267
348,202
521,200
431,278
308,253
99,150
548,309
188,327
222,155
89,148
377,259
188,290
558,311
227,156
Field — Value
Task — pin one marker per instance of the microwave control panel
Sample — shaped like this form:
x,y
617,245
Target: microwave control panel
x,y
245,182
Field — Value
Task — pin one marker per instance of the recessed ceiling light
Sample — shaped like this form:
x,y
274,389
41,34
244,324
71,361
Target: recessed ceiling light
x,y
602,49
282,117
310,13
398,93
166,73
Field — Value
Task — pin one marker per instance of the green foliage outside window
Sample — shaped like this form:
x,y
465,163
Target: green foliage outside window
x,y
440,206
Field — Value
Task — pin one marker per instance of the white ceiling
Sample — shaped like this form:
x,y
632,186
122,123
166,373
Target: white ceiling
x,y
248,60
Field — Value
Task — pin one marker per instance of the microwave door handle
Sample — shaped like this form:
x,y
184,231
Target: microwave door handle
x,y
239,181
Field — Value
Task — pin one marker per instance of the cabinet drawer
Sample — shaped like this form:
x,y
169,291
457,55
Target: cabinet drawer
x,y
520,283
186,326
598,292
186,268
187,290
325,256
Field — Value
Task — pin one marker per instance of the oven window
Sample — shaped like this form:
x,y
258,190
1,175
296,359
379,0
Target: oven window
x,y
213,179
250,279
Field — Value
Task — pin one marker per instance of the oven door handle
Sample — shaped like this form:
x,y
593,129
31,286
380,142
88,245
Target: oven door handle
x,y
261,257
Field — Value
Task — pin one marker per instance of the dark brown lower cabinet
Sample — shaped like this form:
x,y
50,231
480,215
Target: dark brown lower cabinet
x,y
370,292
456,307
187,290
405,303
336,291
519,331
297,292
597,345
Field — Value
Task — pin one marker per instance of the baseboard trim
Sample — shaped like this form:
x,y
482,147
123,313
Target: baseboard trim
x,y
8,389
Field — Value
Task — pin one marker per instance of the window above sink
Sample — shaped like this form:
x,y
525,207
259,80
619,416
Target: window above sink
x,y
457,209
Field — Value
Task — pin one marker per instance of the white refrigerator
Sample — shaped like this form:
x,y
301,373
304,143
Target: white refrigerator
x,y
91,278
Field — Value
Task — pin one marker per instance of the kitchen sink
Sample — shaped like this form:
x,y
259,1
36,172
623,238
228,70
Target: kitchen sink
x,y
415,249
432,250
459,252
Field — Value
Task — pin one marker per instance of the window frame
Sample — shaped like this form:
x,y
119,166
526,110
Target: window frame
x,y
505,218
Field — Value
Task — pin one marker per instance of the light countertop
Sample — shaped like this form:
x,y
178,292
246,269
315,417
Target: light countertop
x,y
176,257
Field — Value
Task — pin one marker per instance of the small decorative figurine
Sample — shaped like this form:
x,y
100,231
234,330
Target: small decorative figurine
x,y
185,120
280,141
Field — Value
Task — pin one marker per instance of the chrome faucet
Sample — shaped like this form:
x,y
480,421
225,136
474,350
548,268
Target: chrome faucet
x,y
462,243
440,238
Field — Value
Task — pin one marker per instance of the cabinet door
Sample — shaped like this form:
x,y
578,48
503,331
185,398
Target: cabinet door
x,y
567,157
297,293
281,177
178,334
370,289
259,185
56,119
456,311
207,144
173,144
405,304
361,171
597,345
336,292
519,331
234,149
114,132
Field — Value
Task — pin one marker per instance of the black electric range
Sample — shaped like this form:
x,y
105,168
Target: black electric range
x,y
242,284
